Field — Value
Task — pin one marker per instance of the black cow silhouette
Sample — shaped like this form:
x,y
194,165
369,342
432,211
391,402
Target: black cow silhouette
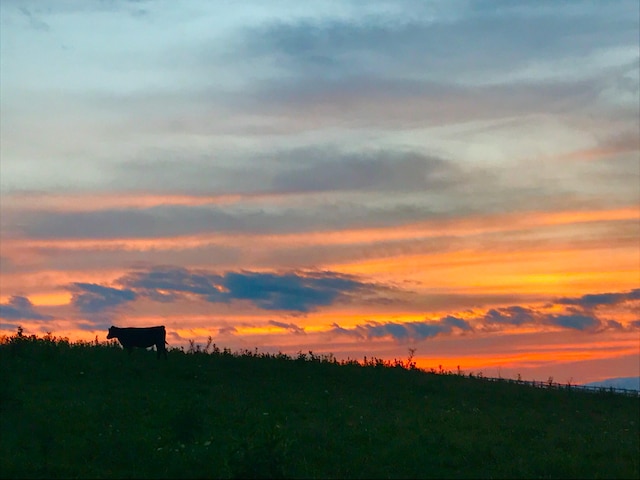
x,y
141,337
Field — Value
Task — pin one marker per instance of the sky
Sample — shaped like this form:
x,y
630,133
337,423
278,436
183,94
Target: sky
x,y
461,178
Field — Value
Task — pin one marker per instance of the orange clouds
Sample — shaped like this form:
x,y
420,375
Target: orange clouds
x,y
434,268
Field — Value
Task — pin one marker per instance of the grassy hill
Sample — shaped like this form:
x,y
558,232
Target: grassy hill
x,y
82,410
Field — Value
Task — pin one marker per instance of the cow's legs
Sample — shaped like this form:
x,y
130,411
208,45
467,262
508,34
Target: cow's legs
x,y
161,349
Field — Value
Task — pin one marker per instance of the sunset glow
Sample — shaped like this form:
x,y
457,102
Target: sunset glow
x,y
354,178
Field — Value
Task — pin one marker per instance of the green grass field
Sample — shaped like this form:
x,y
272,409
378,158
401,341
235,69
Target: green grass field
x,y
93,411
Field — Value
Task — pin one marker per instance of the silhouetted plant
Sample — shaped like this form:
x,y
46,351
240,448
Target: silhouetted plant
x,y
209,342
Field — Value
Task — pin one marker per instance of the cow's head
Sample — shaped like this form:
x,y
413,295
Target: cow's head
x,y
111,333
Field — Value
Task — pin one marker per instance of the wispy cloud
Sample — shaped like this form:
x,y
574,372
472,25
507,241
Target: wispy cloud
x,y
21,308
293,291
575,321
35,22
582,318
471,37
405,331
327,170
496,318
93,298
595,300
514,315
292,327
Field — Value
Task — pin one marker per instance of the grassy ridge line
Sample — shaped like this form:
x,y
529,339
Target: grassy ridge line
x,y
411,365
84,409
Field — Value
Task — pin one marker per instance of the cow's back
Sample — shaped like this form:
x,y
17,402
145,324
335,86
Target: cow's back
x,y
145,337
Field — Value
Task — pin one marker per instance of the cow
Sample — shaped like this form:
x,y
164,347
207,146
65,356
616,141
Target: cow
x,y
141,337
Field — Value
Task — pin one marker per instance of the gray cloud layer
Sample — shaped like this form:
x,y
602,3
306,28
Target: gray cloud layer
x,y
296,292
93,298
20,308
448,69
581,320
395,187
479,39
406,331
595,300
399,65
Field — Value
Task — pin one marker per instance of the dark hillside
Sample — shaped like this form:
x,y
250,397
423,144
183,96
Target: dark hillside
x,y
91,410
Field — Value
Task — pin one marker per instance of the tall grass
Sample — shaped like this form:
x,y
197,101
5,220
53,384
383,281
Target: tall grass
x,y
90,410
